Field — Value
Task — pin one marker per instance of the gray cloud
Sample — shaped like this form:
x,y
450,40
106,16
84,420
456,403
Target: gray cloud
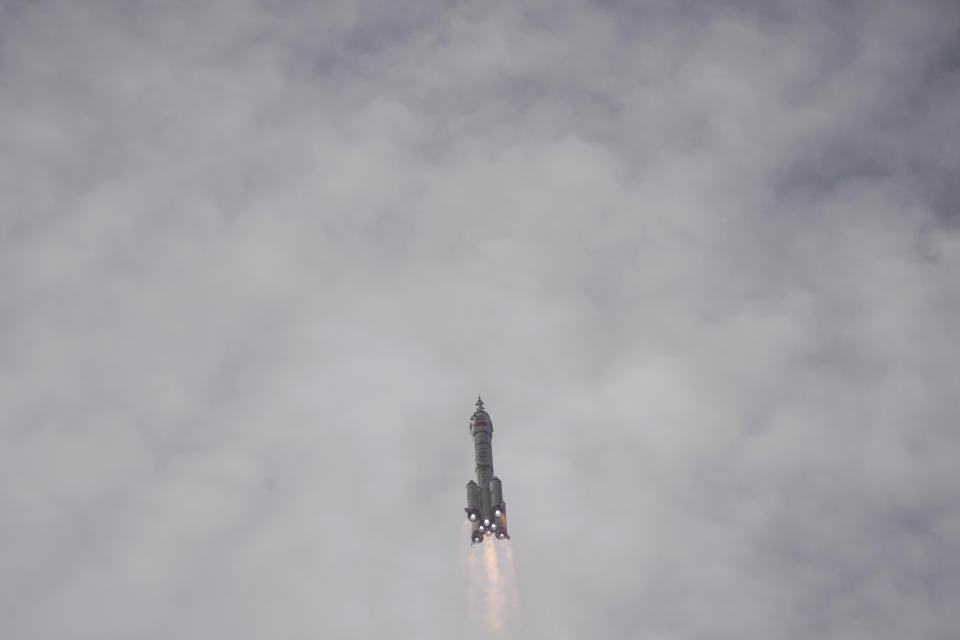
x,y
258,258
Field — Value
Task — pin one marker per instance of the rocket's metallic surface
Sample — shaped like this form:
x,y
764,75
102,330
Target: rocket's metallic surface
x,y
485,506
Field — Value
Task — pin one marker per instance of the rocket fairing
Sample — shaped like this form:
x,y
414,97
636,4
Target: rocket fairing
x,y
485,506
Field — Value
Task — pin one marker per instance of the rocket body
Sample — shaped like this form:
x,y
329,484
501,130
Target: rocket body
x,y
485,506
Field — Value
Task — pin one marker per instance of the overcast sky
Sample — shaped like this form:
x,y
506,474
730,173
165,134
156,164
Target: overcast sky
x,y
257,260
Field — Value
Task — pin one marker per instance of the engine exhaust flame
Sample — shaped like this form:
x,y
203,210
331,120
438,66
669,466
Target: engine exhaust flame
x,y
492,603
511,579
495,597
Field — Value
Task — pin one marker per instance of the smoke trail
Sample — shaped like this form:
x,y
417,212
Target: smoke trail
x,y
492,603
511,579
496,596
474,584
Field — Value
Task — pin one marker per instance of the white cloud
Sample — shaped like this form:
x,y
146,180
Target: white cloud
x,y
258,259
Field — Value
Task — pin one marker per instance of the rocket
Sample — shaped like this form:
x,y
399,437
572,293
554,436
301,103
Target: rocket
x,y
485,506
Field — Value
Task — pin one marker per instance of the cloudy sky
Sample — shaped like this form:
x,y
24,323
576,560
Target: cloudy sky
x,y
258,258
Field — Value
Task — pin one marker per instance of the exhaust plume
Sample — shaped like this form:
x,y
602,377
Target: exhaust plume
x,y
492,594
